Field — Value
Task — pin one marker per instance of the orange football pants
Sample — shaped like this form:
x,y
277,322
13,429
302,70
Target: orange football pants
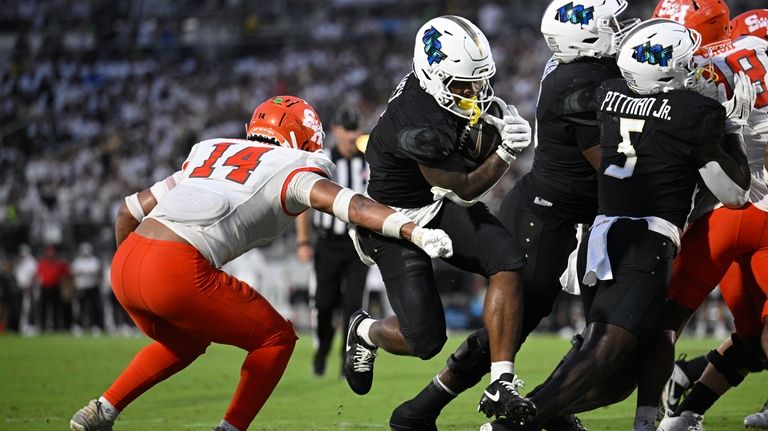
x,y
183,303
729,247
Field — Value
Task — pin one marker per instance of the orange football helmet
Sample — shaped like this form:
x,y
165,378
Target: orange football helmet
x,y
288,121
750,23
711,18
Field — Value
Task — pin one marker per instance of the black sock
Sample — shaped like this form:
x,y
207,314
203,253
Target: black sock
x,y
698,401
430,400
694,368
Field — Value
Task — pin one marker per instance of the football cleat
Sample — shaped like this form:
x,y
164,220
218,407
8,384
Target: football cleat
x,y
758,420
502,399
359,357
675,389
644,425
91,418
403,420
687,421
506,424
565,423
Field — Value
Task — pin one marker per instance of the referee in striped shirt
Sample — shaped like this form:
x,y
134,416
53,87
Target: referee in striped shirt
x,y
340,275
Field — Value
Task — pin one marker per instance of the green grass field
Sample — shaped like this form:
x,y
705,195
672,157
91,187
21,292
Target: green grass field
x,y
44,380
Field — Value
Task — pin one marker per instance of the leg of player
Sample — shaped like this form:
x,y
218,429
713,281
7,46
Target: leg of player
x,y
727,368
158,273
502,316
418,326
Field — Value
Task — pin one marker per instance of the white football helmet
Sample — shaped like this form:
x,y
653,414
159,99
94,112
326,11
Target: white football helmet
x,y
450,49
589,28
657,56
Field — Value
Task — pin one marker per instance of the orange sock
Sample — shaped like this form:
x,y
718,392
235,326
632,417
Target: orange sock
x,y
261,370
153,364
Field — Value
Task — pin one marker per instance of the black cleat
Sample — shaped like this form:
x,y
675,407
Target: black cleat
x,y
501,399
506,424
404,420
359,357
564,423
676,388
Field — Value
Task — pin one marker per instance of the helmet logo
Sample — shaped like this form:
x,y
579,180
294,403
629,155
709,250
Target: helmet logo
x,y
652,54
754,22
312,122
673,10
432,46
575,14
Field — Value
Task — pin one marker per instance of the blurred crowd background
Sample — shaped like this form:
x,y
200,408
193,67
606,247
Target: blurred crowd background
x,y
99,99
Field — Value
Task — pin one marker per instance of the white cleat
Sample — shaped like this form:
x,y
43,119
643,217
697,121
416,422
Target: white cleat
x,y
757,420
91,418
687,421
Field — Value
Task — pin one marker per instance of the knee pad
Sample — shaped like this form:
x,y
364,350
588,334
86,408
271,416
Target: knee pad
x,y
472,360
727,364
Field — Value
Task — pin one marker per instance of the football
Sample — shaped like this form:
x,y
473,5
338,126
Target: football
x,y
481,139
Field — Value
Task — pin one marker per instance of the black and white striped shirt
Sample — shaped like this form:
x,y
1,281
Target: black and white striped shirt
x,y
351,173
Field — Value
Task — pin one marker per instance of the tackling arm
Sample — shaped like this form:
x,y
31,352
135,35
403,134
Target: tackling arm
x,y
311,190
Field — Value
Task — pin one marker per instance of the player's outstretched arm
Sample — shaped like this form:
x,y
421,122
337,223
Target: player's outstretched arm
x,y
352,207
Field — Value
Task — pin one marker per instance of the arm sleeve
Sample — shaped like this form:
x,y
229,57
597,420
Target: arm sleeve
x,y
429,146
721,161
299,189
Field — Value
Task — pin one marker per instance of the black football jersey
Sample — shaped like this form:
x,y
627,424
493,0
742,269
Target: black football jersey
x,y
647,165
566,125
413,130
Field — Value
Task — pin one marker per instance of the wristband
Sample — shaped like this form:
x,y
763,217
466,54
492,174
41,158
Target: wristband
x,y
505,154
393,223
341,204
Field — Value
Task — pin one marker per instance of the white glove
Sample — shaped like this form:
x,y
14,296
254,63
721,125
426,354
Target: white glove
x,y
738,108
514,130
434,242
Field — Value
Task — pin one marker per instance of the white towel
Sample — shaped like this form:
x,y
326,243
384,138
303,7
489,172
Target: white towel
x,y
598,263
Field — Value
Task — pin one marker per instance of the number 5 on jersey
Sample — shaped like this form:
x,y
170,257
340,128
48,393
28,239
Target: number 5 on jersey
x,y
626,126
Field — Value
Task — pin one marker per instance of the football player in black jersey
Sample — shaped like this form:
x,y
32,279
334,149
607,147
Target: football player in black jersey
x,y
546,205
415,168
658,138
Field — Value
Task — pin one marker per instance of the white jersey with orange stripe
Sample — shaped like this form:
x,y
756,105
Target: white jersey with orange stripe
x,y
233,194
748,54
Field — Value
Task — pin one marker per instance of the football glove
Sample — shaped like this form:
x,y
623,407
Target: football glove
x,y
434,242
514,130
737,108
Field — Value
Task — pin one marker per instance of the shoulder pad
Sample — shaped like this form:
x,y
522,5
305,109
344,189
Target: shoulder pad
x,y
579,99
425,145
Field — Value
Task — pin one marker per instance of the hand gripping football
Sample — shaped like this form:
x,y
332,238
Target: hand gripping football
x,y
481,139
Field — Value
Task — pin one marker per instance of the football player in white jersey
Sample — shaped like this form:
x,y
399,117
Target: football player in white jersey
x,y
230,196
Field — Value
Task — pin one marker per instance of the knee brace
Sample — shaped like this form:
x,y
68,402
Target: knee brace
x,y
728,364
754,357
472,360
